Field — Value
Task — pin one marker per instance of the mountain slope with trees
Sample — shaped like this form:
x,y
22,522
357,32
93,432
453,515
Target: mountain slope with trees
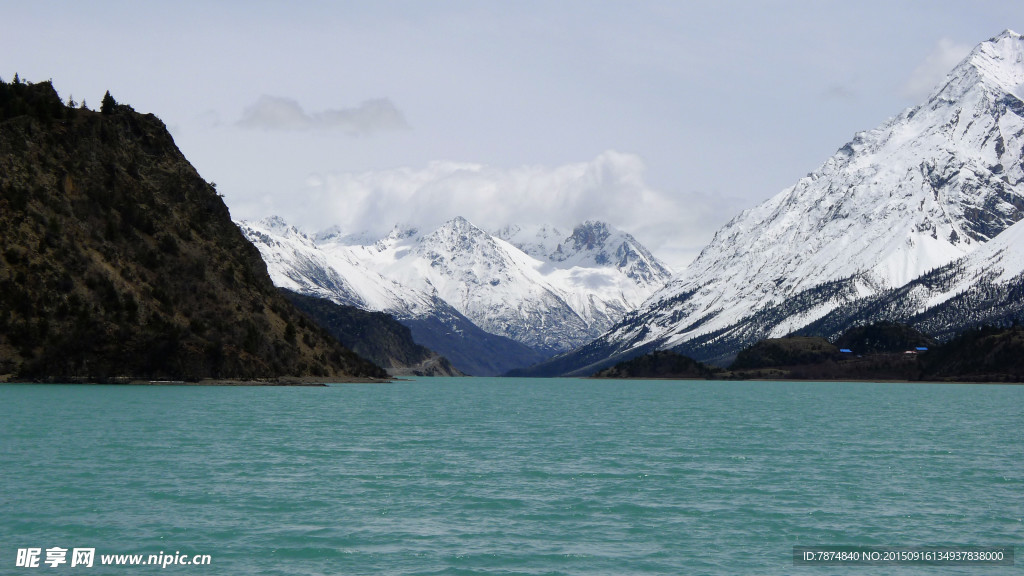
x,y
118,261
880,351
376,336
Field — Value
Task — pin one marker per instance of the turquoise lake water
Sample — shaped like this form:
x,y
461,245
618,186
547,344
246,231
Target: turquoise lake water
x,y
507,476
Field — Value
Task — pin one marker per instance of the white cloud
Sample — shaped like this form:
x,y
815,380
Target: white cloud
x,y
927,76
277,113
610,187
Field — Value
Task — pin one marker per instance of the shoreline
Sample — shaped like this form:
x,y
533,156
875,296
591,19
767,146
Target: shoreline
x,y
314,381
821,380
326,381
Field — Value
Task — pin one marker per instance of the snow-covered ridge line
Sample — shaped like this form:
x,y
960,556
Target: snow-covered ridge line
x,y
926,188
555,293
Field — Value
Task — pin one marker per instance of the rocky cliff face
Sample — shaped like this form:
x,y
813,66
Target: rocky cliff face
x,y
118,260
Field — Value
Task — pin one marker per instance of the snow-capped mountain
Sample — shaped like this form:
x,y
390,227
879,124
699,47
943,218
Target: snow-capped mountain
x,y
549,300
556,294
295,262
591,245
922,190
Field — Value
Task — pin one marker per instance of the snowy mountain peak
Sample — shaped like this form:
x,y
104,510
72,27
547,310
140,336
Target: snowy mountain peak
x,y
457,235
537,241
331,234
589,235
592,244
276,223
997,63
403,231
548,304
1000,59
276,229
598,244
925,188
460,224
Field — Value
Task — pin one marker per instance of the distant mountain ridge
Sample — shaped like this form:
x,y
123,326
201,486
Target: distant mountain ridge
x,y
923,190
590,244
297,263
542,288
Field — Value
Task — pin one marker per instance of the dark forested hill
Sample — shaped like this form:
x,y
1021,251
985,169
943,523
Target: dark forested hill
x,y
376,336
660,364
117,260
882,351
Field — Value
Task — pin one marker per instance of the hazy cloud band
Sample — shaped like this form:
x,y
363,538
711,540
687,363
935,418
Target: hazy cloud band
x,y
279,113
610,187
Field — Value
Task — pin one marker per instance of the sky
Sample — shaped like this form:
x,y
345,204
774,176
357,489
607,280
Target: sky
x,y
663,118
